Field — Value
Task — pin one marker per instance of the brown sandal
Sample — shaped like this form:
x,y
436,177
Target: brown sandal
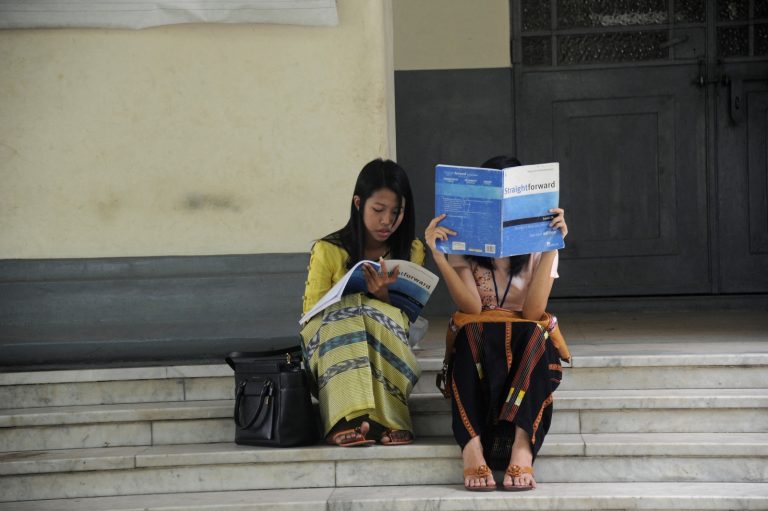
x,y
349,438
480,471
516,471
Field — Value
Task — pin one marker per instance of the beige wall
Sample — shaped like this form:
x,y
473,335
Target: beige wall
x,y
451,34
197,139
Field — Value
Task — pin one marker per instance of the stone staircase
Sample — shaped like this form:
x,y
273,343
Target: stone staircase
x,y
655,426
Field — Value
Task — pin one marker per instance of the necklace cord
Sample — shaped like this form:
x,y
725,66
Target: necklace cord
x,y
496,289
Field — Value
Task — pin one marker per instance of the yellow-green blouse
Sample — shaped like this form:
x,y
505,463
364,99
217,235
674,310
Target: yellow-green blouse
x,y
328,264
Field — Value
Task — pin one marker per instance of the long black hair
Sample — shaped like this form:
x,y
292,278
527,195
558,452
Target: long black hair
x,y
375,175
518,262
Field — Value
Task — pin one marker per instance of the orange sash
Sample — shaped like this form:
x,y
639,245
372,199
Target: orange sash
x,y
548,322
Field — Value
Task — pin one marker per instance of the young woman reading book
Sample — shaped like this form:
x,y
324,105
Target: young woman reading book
x,y
357,349
505,355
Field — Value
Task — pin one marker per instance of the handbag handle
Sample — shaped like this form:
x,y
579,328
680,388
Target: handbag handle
x,y
292,355
266,393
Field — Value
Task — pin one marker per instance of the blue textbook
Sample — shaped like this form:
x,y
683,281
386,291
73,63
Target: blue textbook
x,y
498,213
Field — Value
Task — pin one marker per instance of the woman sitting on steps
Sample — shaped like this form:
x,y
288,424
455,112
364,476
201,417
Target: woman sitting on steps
x,y
502,356
357,349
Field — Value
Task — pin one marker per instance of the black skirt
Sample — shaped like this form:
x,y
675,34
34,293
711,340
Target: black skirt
x,y
503,376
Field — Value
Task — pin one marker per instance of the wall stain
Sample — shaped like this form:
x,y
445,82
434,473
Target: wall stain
x,y
7,152
108,208
203,201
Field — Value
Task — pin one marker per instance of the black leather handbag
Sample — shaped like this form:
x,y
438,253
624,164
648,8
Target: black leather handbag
x,y
273,406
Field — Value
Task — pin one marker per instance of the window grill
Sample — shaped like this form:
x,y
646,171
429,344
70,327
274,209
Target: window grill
x,y
558,33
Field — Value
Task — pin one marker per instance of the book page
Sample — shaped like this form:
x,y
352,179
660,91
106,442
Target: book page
x,y
530,191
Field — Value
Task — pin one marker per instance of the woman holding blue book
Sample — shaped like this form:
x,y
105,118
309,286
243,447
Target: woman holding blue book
x,y
357,349
503,355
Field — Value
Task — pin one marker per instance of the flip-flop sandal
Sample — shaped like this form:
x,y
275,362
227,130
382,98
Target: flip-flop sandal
x,y
480,471
350,438
406,437
516,471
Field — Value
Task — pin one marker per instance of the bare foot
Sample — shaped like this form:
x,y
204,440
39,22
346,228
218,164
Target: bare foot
x,y
473,459
522,456
396,437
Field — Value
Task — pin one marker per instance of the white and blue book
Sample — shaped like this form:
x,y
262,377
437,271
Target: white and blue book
x,y
498,213
409,293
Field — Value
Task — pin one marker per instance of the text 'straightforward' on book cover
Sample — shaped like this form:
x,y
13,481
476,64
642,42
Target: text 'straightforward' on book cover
x,y
498,213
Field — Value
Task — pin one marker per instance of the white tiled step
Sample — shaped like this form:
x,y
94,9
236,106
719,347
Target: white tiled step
x,y
118,385
615,366
78,427
630,411
657,365
207,388
561,445
548,497
565,400
645,377
609,411
219,467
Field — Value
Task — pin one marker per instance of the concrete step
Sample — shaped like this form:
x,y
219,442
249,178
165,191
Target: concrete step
x,y
585,411
115,386
630,411
713,458
211,385
658,365
75,427
624,366
547,497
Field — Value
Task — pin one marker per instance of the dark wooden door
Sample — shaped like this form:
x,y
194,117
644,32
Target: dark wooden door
x,y
627,100
741,116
